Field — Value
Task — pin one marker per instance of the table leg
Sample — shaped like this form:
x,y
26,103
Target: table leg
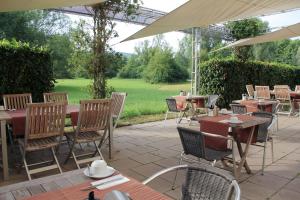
x,y
4,150
110,138
244,153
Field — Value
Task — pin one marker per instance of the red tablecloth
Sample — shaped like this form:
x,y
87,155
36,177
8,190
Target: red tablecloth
x,y
18,119
214,126
254,106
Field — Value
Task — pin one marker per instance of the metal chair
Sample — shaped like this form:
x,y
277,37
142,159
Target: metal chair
x,y
44,130
172,108
265,134
204,183
94,121
56,97
118,102
16,101
212,100
250,90
238,109
262,92
193,143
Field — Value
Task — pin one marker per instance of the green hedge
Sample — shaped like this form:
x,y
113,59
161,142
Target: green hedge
x,y
25,69
229,77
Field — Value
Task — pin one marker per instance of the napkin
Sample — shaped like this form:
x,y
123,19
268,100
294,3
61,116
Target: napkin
x,y
109,182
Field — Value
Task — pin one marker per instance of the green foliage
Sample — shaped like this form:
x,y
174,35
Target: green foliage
x,y
244,29
229,77
132,69
25,69
162,68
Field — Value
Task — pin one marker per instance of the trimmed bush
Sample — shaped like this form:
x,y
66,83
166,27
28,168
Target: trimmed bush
x,y
25,69
229,77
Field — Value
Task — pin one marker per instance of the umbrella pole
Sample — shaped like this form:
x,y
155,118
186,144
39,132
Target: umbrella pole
x,y
196,48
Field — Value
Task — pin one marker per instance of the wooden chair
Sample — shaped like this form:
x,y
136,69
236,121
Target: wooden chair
x,y
118,102
44,130
94,121
56,97
297,88
262,92
250,90
282,94
16,101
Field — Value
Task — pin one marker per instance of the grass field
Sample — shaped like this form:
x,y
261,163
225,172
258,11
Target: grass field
x,y
143,98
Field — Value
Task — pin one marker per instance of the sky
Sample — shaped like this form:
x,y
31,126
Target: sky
x,y
124,29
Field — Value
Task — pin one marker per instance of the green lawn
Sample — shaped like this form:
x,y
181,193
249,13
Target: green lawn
x,y
143,98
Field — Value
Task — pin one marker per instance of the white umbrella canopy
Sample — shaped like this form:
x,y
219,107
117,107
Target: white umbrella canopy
x,y
201,13
21,5
284,33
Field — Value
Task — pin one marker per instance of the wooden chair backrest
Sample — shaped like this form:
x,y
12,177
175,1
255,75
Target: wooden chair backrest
x,y
94,115
117,104
297,88
16,101
282,92
56,97
250,90
282,86
262,92
45,120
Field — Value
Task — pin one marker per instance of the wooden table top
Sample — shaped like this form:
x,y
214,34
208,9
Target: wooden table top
x,y
255,101
247,120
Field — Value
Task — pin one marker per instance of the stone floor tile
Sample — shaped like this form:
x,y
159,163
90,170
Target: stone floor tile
x,y
146,158
294,185
139,149
285,194
148,169
254,192
124,164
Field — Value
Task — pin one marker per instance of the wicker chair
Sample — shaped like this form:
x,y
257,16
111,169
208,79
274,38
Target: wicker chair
x,y
250,90
118,102
265,134
44,130
172,108
212,100
193,143
56,97
282,94
238,109
262,92
92,126
16,101
204,183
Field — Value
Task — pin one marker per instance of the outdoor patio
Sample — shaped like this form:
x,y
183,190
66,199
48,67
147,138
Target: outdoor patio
x,y
144,149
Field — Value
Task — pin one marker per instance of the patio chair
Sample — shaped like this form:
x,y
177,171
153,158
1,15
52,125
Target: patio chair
x,y
172,108
56,97
238,109
265,134
118,102
262,92
203,183
44,130
282,94
16,101
193,143
297,88
250,90
92,126
211,101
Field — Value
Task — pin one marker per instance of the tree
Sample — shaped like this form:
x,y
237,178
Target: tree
x,y
183,57
103,30
244,29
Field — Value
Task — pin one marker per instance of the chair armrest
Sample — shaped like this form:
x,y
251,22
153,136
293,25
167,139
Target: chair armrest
x,y
163,172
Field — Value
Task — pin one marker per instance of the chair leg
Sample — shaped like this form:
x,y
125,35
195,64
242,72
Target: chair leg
x,y
25,163
272,149
70,152
98,150
56,160
264,159
175,177
166,116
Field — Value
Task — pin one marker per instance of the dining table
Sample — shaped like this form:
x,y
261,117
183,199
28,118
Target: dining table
x,y
17,119
242,131
254,105
192,101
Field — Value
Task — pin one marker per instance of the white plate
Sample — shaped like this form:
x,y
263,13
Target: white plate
x,y
108,173
235,122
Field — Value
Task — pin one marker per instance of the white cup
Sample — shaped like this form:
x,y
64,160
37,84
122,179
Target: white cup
x,y
98,166
223,110
234,119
